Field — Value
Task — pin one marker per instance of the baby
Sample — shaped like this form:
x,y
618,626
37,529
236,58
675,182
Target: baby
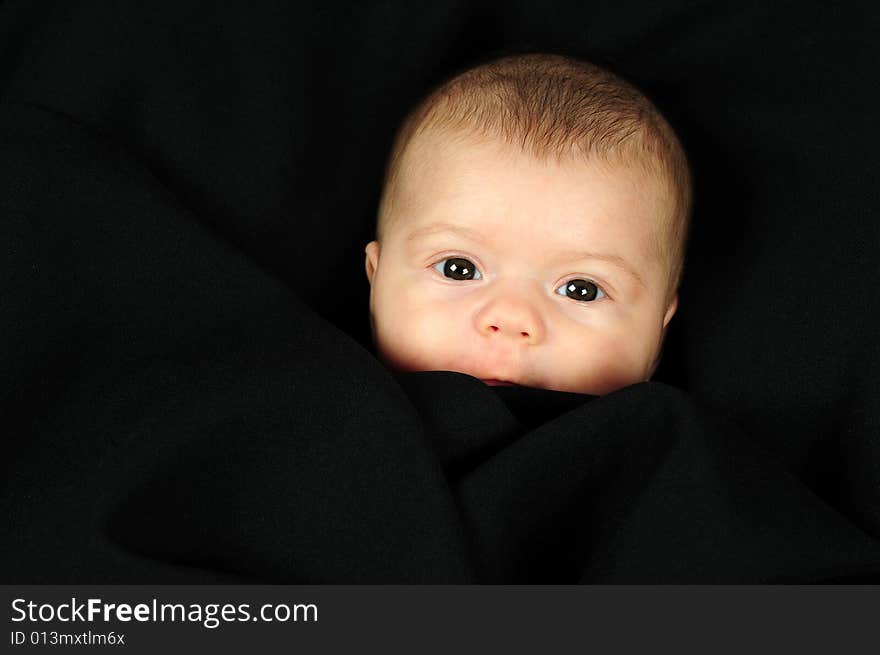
x,y
531,229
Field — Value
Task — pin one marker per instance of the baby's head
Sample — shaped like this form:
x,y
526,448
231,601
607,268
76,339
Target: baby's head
x,y
531,229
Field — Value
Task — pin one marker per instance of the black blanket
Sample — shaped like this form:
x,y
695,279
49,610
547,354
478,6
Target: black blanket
x,y
188,392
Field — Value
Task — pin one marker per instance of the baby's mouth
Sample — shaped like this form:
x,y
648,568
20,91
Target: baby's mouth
x,y
499,383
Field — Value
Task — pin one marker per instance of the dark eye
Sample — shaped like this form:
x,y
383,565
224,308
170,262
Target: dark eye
x,y
581,289
458,268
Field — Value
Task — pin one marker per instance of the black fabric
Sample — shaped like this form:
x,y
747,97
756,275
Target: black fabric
x,y
188,392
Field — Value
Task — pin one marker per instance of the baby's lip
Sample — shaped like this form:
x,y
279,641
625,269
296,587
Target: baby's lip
x,y
499,383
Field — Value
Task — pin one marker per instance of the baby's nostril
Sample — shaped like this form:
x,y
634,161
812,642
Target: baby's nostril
x,y
525,334
493,328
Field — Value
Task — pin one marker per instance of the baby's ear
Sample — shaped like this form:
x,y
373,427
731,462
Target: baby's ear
x,y
670,311
372,260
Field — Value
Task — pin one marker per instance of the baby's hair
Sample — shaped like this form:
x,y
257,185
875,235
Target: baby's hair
x,y
557,106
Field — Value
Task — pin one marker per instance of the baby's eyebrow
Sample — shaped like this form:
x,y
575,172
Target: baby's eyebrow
x,y
460,230
614,260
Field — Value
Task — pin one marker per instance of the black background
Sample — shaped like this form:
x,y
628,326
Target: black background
x,y
187,388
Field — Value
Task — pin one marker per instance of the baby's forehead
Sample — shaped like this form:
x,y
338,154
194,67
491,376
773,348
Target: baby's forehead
x,y
442,175
426,150
468,163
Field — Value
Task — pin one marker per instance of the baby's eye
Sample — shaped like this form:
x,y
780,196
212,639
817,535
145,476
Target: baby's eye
x,y
458,268
581,289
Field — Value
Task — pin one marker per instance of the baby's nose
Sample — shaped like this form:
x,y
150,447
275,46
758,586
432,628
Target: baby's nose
x,y
512,318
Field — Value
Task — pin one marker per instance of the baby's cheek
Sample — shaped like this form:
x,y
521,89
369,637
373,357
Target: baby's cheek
x,y
412,335
610,364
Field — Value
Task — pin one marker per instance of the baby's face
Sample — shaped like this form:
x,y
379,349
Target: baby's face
x,y
510,269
